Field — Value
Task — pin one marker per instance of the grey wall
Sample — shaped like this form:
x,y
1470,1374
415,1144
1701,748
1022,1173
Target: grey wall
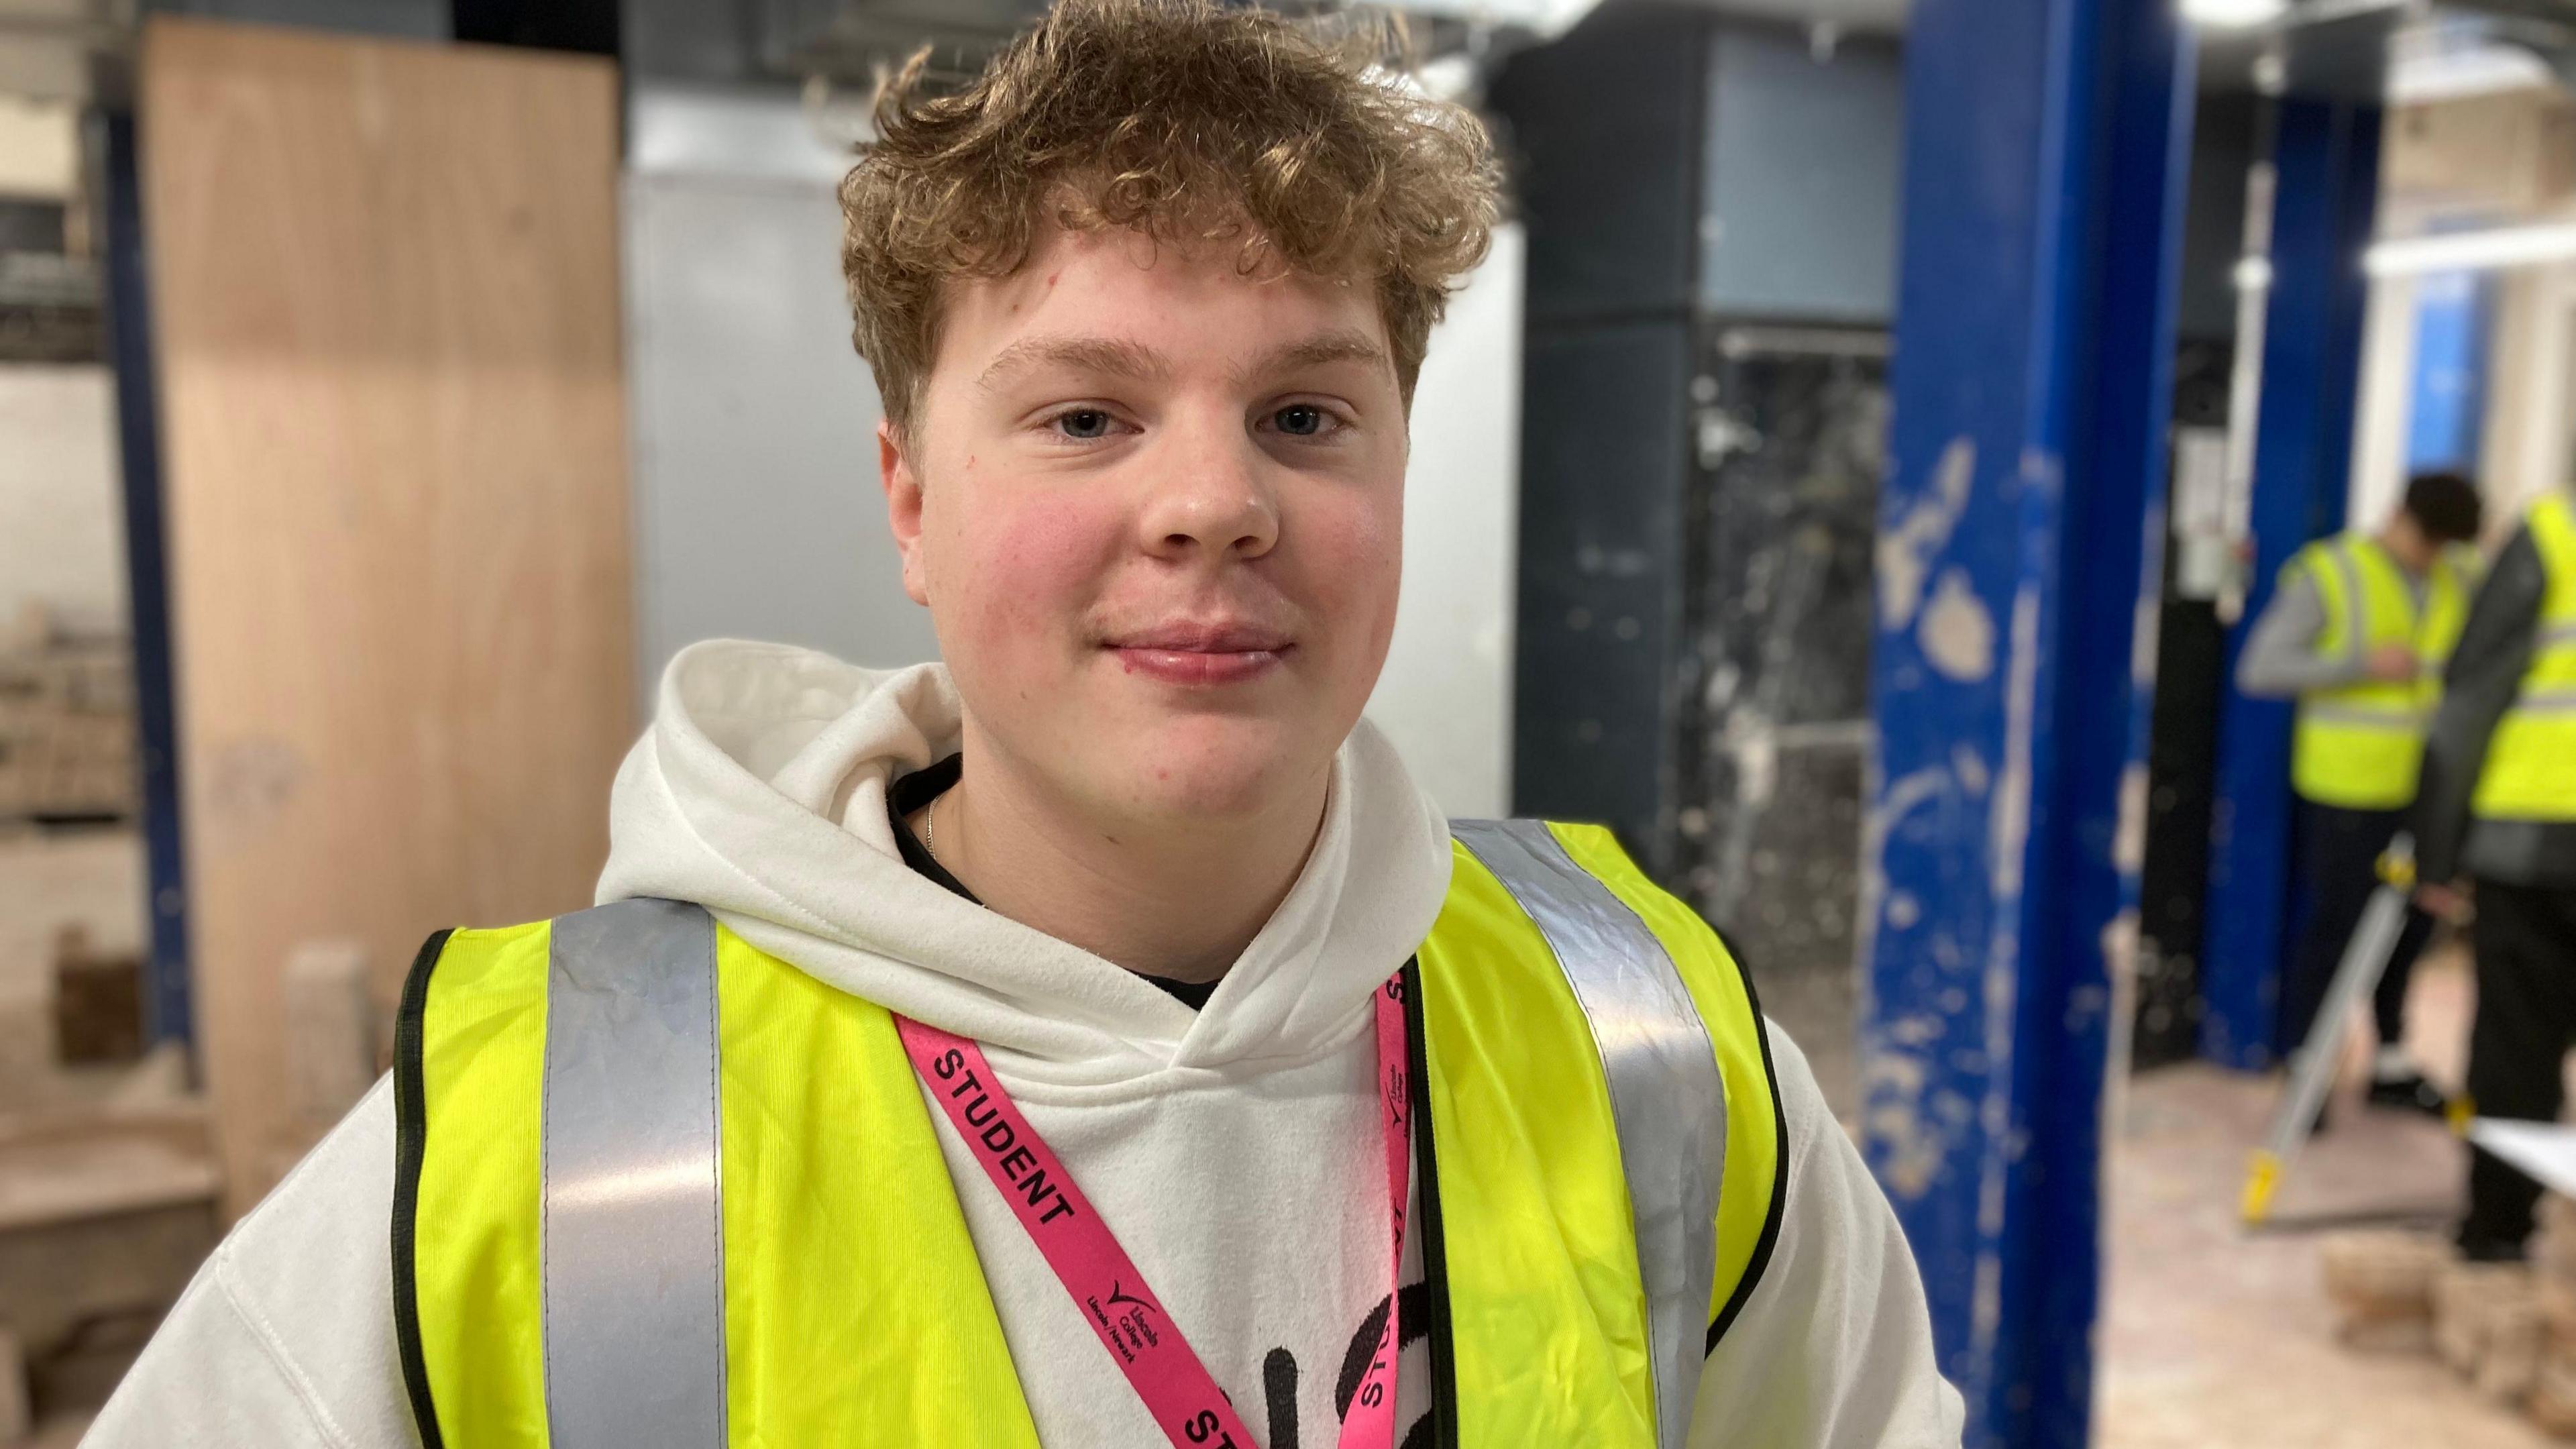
x,y
1799,204
1445,696
714,41
757,508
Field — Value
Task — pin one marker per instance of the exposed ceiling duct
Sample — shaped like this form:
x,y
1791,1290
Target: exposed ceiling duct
x,y
851,42
2396,51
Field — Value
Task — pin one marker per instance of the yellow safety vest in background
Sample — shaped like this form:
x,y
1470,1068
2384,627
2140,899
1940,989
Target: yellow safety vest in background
x,y
2530,771
653,1181
2360,746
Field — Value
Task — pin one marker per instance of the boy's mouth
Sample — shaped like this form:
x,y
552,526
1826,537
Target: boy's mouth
x,y
1202,654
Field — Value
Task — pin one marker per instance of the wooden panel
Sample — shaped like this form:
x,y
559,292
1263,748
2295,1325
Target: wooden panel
x,y
385,282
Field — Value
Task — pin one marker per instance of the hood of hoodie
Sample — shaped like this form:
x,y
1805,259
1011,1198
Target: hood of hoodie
x,y
759,792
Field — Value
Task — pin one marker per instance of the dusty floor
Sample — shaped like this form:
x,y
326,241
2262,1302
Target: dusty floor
x,y
2216,1339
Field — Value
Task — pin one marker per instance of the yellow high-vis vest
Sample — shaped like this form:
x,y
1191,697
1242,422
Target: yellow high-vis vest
x,y
2530,771
630,1208
2361,745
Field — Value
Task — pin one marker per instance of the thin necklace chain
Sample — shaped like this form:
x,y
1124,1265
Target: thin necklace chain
x,y
930,826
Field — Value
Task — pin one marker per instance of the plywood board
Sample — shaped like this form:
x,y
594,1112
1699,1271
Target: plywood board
x,y
385,290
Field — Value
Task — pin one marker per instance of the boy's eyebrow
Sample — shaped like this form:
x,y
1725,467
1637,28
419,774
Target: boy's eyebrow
x,y
1347,345
1085,354
1119,358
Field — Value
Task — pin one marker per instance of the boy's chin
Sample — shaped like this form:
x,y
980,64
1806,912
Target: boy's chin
x,y
1202,775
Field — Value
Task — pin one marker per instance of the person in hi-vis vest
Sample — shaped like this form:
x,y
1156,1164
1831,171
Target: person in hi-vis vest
x,y
1095,1038
2497,816
2358,631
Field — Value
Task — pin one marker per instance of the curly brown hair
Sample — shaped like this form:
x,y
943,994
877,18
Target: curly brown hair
x,y
1184,118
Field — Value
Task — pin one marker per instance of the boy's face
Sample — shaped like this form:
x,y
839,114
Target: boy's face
x,y
2407,542
1155,508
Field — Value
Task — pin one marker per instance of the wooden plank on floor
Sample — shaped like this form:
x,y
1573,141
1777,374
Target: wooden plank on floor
x,y
385,281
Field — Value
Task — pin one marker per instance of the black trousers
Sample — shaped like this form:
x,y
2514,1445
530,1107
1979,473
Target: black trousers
x,y
2517,1050
2339,852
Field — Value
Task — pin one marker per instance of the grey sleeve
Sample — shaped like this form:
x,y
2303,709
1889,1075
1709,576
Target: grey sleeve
x,y
2485,674
2281,659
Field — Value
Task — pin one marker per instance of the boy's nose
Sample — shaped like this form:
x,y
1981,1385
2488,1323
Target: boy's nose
x,y
1210,498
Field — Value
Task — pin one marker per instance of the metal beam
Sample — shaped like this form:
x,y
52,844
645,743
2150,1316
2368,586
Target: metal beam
x,y
2048,145
168,998
2325,190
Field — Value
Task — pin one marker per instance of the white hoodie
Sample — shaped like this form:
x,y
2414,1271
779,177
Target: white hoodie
x,y
1233,1149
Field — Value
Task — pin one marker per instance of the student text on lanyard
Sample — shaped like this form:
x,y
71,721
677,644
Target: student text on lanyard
x,y
1105,1284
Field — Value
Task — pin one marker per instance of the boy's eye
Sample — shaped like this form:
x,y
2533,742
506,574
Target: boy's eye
x,y
1083,423
1301,421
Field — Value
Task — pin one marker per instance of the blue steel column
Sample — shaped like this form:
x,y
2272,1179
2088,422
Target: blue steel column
x,y
2047,149
2326,187
169,1014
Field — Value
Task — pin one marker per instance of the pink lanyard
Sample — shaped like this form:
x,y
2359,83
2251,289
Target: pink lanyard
x,y
1102,1280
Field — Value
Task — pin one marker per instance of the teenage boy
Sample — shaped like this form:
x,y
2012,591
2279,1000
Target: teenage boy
x,y
2359,630
1098,1040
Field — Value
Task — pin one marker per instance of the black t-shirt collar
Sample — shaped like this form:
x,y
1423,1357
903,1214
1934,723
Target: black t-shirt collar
x,y
914,792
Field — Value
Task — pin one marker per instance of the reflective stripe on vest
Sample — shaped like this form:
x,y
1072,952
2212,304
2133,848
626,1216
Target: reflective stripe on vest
x,y
2530,769
2406,719
630,1143
1665,1091
854,1306
2361,745
854,1309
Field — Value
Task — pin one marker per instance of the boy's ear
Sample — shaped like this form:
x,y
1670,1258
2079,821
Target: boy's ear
x,y
903,508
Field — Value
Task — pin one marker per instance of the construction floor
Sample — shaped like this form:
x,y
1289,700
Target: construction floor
x,y
2212,1338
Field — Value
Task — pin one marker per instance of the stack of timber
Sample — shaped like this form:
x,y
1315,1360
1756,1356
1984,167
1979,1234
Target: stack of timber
x,y
66,723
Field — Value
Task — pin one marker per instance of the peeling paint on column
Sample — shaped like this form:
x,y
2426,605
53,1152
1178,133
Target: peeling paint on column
x,y
1958,633
2008,827
1905,552
1974,777
2129,845
2009,820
